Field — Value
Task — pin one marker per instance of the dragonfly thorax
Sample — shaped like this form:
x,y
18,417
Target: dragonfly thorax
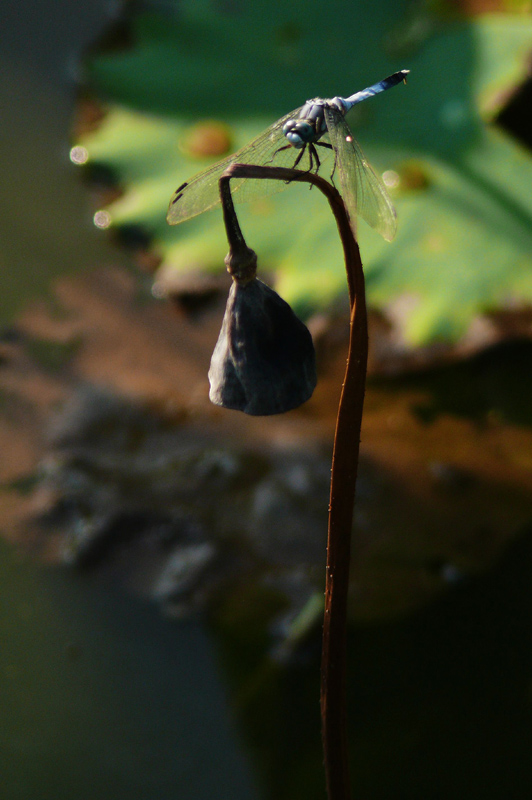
x,y
308,127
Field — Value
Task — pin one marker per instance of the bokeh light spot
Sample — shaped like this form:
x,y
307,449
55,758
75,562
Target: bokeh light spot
x,y
102,219
79,155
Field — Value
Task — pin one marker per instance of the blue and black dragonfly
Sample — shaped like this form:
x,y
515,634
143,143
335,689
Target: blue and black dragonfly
x,y
317,124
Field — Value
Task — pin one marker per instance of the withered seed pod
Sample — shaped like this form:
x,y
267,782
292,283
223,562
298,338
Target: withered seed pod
x,y
264,361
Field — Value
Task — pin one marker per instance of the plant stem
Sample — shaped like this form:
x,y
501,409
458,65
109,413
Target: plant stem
x,y
342,499
343,477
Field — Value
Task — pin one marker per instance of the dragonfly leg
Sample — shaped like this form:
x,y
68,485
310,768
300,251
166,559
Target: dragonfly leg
x,y
329,147
285,147
300,156
323,144
288,147
313,156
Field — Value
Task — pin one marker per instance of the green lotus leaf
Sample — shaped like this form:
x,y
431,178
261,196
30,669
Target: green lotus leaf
x,y
463,196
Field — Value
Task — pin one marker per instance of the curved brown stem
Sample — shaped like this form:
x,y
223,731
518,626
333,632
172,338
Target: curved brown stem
x,y
343,481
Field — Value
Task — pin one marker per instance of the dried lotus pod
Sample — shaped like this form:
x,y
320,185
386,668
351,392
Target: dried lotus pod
x,y
264,361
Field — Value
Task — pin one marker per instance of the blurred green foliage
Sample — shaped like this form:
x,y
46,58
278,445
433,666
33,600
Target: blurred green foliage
x,y
463,198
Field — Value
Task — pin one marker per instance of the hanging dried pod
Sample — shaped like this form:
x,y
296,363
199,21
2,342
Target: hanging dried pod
x,y
264,361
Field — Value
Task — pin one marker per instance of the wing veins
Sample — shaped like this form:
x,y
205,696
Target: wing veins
x,y
363,192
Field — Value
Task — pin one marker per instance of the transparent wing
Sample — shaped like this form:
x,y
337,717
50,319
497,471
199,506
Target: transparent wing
x,y
202,192
362,191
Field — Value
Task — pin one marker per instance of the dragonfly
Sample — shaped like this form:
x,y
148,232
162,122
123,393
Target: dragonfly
x,y
302,139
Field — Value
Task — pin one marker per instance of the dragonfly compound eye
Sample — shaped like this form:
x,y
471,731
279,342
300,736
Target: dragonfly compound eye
x,y
299,132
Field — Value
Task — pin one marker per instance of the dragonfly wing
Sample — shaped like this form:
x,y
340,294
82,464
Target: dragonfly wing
x,y
362,191
202,192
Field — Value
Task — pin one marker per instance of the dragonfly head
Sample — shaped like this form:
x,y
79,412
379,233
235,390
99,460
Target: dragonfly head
x,y
309,125
299,132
